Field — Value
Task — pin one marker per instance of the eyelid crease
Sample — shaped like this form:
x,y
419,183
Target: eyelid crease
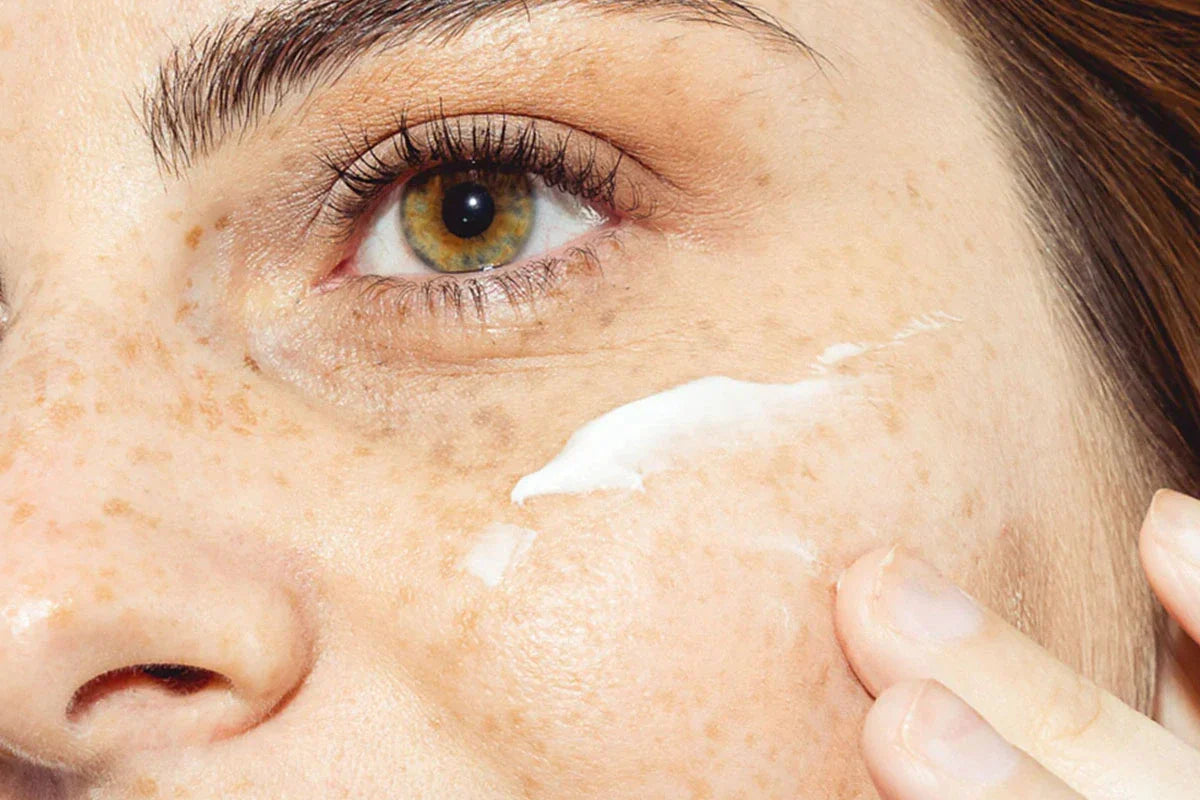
x,y
232,74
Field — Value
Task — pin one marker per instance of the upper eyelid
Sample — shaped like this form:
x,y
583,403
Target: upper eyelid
x,y
231,75
370,149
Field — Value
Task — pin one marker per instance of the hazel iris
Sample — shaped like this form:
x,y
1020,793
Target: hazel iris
x,y
467,220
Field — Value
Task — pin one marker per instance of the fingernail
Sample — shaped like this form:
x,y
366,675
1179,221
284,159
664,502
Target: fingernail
x,y
1174,519
919,603
949,736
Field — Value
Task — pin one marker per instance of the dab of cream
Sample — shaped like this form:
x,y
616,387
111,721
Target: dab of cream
x,y
616,450
24,616
837,353
804,550
498,549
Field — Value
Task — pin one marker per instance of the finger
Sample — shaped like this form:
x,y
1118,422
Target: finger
x,y
1170,551
921,742
899,620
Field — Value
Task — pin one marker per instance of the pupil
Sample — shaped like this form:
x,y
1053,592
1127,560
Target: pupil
x,y
468,209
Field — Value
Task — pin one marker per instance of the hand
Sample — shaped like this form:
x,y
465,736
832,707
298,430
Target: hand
x,y
928,653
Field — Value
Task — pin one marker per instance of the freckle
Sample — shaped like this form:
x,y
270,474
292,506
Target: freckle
x,y
943,165
241,409
280,479
104,594
114,506
193,237
145,787
64,413
184,311
211,412
129,348
763,181
61,617
712,730
700,789
251,364
222,222
22,513
914,193
182,413
175,216
362,452
893,421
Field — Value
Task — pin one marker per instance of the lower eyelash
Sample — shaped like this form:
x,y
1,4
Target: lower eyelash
x,y
516,286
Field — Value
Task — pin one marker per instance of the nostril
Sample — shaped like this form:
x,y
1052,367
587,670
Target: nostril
x,y
179,679
150,706
145,684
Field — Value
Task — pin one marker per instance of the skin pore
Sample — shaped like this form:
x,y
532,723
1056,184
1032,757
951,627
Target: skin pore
x,y
215,458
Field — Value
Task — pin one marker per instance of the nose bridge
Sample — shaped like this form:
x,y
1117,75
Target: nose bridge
x,y
125,623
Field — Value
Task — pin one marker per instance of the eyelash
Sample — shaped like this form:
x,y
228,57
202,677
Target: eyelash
x,y
497,142
494,142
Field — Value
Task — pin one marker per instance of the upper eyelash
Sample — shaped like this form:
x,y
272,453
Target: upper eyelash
x,y
495,141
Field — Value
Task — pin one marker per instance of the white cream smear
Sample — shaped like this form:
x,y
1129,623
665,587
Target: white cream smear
x,y
618,449
23,616
499,548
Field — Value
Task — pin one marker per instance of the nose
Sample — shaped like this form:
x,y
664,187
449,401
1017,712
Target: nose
x,y
113,641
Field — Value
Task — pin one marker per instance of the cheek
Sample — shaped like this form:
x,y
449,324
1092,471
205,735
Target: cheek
x,y
659,660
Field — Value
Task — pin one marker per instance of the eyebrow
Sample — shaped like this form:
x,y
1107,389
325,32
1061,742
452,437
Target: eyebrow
x,y
234,73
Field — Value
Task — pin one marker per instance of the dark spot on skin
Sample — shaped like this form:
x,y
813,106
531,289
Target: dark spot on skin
x,y
251,364
943,165
116,507
969,245
193,237
22,513
64,413
222,223
910,184
184,311
145,787
763,180
129,349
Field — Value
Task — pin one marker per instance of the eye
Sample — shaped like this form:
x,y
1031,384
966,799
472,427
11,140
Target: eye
x,y
471,218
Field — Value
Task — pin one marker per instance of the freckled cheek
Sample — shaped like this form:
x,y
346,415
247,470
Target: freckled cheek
x,y
612,656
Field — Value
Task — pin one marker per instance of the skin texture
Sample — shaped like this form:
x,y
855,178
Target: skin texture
x,y
206,462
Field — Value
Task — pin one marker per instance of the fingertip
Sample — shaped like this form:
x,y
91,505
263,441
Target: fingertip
x,y
852,611
1173,523
892,768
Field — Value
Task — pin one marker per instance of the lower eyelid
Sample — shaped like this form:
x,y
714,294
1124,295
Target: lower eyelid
x,y
480,298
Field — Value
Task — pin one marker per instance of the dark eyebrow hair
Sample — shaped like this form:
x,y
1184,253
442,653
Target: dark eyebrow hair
x,y
232,74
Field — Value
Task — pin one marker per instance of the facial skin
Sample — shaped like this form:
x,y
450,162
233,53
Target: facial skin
x,y
207,462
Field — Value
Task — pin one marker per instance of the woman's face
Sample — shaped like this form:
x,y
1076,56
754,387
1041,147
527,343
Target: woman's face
x,y
247,430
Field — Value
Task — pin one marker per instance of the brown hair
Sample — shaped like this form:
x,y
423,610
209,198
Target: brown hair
x,y
1103,103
